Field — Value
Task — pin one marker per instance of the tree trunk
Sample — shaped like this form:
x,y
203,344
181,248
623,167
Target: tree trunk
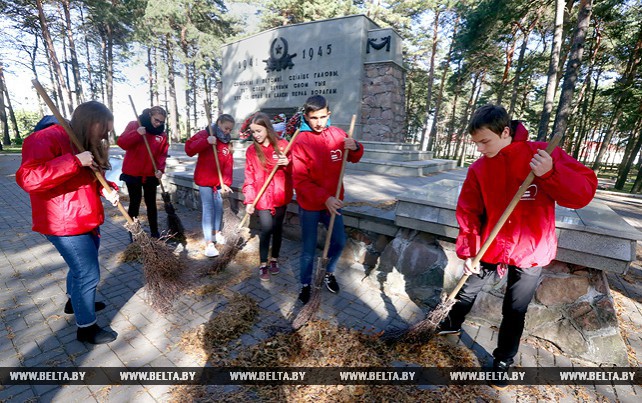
x,y
431,79
72,51
628,78
462,158
464,117
518,74
150,76
632,150
6,139
53,58
172,90
92,85
450,137
553,67
575,61
194,97
12,115
442,85
510,52
155,93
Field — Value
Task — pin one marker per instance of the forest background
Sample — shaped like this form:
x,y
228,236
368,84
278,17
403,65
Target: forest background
x,y
571,66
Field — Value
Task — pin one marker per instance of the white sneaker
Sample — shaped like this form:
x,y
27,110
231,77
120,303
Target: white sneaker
x,y
219,238
210,250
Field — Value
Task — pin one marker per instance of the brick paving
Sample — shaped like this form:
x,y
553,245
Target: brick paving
x,y
35,332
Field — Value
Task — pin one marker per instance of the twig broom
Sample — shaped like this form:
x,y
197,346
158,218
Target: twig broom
x,y
424,330
176,229
161,267
312,306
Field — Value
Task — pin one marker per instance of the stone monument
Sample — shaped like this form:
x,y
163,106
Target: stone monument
x,y
350,60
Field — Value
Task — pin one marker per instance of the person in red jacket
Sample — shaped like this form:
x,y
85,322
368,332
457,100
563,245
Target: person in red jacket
x,y
527,241
206,176
66,205
317,156
260,159
138,170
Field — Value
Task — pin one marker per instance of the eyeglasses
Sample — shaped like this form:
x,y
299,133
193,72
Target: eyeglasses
x,y
158,121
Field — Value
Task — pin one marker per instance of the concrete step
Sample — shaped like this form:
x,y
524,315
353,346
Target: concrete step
x,y
403,168
381,145
396,155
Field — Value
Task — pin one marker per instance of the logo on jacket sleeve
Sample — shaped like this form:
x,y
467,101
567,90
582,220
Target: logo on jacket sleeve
x,y
225,151
530,193
336,155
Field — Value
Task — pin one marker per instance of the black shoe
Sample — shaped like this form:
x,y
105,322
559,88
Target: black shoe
x,y
94,335
304,295
331,283
155,234
501,373
444,329
69,309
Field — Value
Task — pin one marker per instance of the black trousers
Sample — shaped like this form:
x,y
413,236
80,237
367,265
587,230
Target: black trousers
x,y
136,188
271,226
520,289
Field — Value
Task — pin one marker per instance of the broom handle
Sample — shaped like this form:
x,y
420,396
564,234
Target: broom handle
x,y
500,223
209,129
41,91
149,150
326,247
269,179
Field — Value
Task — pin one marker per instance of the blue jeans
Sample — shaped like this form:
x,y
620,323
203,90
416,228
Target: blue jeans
x,y
212,206
309,222
80,252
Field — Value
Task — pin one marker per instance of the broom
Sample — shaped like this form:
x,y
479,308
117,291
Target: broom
x,y
312,306
176,229
268,180
161,268
424,330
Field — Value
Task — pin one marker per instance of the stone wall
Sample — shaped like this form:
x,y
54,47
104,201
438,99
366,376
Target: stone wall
x,y
383,109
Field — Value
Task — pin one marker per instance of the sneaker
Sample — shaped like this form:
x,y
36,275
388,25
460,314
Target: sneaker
x,y
274,268
501,370
444,329
219,238
69,309
264,274
331,283
304,295
94,335
210,250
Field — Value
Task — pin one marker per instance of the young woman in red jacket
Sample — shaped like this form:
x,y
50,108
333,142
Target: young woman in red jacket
x,y
260,159
66,206
138,170
527,241
206,176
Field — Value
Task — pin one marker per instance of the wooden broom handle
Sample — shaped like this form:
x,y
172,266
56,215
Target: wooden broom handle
x,y
149,150
209,130
63,122
326,246
269,179
502,220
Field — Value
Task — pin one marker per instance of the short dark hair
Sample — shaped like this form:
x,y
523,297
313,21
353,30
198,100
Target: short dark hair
x,y
225,118
315,103
492,117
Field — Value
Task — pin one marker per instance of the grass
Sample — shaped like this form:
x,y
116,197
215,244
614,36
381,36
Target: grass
x,y
12,149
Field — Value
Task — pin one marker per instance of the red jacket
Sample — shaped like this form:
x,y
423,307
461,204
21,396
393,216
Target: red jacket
x,y
137,161
65,196
205,173
279,191
316,164
528,238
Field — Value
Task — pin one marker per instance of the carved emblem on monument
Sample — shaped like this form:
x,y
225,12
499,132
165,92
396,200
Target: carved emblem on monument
x,y
279,58
385,41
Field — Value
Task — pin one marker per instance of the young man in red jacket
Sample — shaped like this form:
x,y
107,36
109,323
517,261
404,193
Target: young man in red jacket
x,y
138,170
317,155
265,153
206,176
527,241
66,206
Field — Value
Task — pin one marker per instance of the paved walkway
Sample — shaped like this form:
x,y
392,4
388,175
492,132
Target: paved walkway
x,y
35,332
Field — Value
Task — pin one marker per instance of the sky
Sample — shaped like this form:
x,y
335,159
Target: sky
x,y
24,97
